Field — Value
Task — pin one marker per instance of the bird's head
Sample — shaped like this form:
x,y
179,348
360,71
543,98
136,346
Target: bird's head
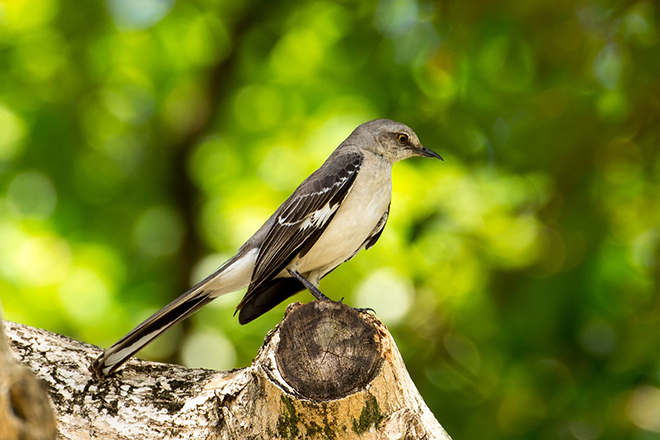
x,y
392,140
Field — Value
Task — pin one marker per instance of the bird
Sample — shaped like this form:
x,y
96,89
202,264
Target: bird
x,y
340,209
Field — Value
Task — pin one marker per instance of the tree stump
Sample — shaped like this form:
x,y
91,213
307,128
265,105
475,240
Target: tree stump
x,y
325,372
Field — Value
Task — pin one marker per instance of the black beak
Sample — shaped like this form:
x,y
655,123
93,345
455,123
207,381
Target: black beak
x,y
425,152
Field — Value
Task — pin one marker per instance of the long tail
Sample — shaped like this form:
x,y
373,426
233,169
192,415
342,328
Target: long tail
x,y
233,275
176,311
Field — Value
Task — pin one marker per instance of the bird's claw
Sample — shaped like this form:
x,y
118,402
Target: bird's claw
x,y
364,310
357,309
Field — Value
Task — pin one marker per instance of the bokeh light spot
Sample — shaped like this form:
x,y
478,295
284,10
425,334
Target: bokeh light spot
x,y
138,14
42,261
644,248
612,106
159,232
583,430
608,66
208,349
507,63
27,15
388,292
464,351
258,107
644,408
436,82
85,296
393,17
130,103
598,338
276,168
297,55
639,23
13,130
31,194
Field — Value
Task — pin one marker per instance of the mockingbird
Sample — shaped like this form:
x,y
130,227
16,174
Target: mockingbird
x,y
336,212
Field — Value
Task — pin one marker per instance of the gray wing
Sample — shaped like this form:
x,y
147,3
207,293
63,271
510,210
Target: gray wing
x,y
303,217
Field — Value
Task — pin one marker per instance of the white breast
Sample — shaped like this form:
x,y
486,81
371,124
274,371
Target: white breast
x,y
354,221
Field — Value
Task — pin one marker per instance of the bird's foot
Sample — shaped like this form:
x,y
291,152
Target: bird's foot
x,y
364,310
357,309
321,296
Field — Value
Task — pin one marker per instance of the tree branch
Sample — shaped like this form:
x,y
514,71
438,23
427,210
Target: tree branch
x,y
25,412
324,372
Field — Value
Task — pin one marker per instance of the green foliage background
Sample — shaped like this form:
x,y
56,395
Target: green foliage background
x,y
142,142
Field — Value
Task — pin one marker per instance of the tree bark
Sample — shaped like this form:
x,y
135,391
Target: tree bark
x,y
25,412
325,372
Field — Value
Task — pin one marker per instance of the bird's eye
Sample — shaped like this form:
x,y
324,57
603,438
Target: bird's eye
x,y
402,138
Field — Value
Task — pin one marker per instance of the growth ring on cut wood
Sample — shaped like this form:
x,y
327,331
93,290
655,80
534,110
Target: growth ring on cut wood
x,y
327,350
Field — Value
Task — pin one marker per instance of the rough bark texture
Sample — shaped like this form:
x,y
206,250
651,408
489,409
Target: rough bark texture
x,y
326,372
25,411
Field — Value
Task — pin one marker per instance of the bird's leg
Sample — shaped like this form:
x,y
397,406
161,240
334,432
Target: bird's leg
x,y
309,286
320,295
